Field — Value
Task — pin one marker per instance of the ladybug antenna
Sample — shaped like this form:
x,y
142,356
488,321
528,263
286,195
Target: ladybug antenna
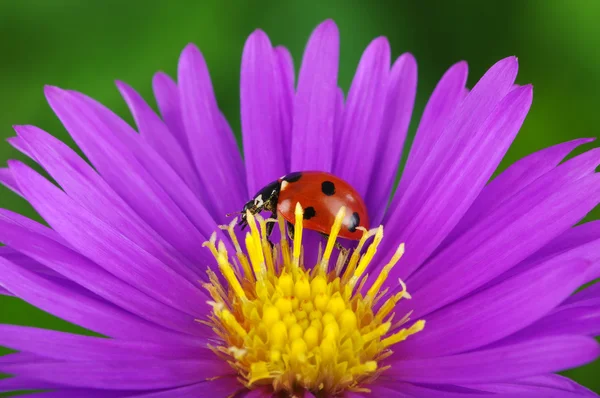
x,y
233,214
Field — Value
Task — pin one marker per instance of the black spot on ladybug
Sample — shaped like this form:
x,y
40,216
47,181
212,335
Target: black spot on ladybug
x,y
292,177
328,188
354,222
309,213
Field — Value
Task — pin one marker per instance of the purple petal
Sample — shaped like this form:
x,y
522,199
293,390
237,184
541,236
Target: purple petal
x,y
339,112
23,383
577,319
259,393
28,263
574,302
504,390
579,314
156,134
20,357
404,390
215,153
221,387
106,247
77,306
574,238
193,209
496,312
32,265
544,355
511,181
18,219
21,146
72,347
400,100
284,74
79,393
363,116
261,121
533,389
589,293
88,189
17,383
8,181
580,242
123,375
87,274
135,171
442,105
167,99
380,389
557,382
314,106
535,216
458,169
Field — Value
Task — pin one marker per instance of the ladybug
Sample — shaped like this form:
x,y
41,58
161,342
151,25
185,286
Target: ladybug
x,y
321,195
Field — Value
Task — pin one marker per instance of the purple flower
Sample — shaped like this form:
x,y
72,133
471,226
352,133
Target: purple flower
x,y
479,275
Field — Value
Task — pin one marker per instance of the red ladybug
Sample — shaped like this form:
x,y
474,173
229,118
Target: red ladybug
x,y
321,196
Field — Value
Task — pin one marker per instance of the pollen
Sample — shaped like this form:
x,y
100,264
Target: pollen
x,y
291,328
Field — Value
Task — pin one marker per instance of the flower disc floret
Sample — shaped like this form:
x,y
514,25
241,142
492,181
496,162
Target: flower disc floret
x,y
293,328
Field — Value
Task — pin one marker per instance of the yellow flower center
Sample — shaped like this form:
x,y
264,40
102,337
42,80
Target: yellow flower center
x,y
292,328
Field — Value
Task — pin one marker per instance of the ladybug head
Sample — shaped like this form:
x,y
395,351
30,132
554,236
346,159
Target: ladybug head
x,y
265,199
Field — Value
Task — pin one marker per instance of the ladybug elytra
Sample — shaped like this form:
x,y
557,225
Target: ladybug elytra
x,y
320,194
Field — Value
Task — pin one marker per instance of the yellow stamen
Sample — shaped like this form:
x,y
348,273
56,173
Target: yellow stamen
x,y
341,261
211,245
285,248
368,256
253,243
385,272
228,273
229,319
335,230
299,214
259,371
356,254
294,327
238,250
389,305
403,334
380,331
265,244
404,292
232,236
254,257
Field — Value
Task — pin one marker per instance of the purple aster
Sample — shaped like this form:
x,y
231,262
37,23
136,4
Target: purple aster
x,y
480,276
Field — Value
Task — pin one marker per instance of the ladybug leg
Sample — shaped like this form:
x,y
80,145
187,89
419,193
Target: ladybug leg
x,y
270,227
290,228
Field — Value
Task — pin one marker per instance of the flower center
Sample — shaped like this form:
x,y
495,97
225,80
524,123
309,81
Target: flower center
x,y
292,328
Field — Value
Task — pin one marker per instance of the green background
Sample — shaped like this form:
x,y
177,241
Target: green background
x,y
86,45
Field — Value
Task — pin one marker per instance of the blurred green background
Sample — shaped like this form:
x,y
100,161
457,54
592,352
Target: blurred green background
x,y
86,45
